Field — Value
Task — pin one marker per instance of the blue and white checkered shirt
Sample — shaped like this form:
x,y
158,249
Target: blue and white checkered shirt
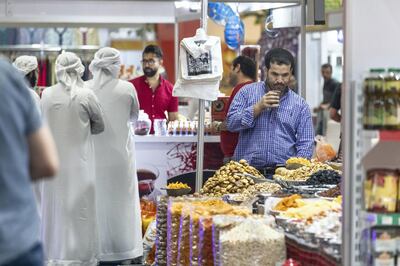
x,y
276,134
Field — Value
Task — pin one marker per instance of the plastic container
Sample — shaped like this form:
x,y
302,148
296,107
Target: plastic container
x,y
384,190
143,124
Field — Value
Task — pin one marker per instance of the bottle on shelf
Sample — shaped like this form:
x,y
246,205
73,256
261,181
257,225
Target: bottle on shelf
x,y
374,106
391,100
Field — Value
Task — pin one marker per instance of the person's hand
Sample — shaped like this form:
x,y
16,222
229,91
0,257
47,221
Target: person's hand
x,y
269,100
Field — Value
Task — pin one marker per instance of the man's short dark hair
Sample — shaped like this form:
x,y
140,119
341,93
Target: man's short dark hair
x,y
327,65
279,56
247,66
153,49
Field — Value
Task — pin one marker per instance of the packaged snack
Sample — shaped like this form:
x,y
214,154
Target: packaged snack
x,y
324,150
384,259
384,190
161,227
384,240
254,239
174,217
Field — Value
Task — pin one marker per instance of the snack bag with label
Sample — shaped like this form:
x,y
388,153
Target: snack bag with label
x,y
324,150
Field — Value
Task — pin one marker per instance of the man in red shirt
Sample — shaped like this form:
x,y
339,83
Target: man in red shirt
x,y
154,92
243,72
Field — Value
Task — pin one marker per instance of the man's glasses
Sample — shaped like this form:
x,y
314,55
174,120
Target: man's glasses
x,y
149,62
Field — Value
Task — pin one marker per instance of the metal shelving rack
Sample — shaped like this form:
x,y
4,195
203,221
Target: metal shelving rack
x,y
372,33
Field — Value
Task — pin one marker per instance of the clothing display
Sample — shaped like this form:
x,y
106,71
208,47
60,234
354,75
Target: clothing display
x,y
73,113
155,103
229,139
117,193
276,134
200,67
19,221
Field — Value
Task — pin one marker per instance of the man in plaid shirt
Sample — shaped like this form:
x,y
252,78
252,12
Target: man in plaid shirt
x,y
274,123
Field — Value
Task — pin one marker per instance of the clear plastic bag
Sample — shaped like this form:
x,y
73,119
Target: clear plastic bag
x,y
184,236
324,150
221,223
205,241
161,227
149,242
251,242
173,220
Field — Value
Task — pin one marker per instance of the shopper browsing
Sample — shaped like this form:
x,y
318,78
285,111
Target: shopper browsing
x,y
274,123
328,91
27,154
28,66
243,72
68,203
117,193
154,91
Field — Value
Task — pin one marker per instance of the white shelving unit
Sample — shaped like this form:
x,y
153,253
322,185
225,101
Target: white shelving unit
x,y
371,39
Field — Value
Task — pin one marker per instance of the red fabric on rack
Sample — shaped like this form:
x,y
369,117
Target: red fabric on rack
x,y
42,73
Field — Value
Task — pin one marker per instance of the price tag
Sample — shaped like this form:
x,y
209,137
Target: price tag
x,y
387,220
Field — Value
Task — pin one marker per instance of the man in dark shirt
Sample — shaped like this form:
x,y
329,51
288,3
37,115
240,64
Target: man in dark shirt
x,y
328,90
243,72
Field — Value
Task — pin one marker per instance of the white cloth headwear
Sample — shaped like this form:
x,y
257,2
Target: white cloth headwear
x,y
69,70
105,66
26,63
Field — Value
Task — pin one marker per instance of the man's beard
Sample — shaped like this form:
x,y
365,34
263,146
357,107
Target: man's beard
x,y
233,80
149,72
282,88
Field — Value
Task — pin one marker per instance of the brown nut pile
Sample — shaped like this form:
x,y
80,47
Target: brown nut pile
x,y
226,180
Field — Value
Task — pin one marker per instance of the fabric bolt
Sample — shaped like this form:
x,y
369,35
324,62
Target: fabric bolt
x,y
276,134
26,63
42,73
19,221
8,36
118,216
31,35
69,228
155,103
229,139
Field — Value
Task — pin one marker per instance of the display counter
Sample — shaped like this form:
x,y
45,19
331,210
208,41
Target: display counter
x,y
163,158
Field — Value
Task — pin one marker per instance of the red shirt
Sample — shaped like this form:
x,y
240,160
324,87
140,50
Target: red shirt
x,y
229,139
155,103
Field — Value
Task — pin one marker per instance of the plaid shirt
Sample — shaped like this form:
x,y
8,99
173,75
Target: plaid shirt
x,y
276,134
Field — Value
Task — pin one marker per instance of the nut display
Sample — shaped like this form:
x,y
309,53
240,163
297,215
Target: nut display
x,y
298,160
302,173
228,180
255,189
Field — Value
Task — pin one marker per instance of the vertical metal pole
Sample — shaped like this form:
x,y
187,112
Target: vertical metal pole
x,y
302,89
176,47
202,103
